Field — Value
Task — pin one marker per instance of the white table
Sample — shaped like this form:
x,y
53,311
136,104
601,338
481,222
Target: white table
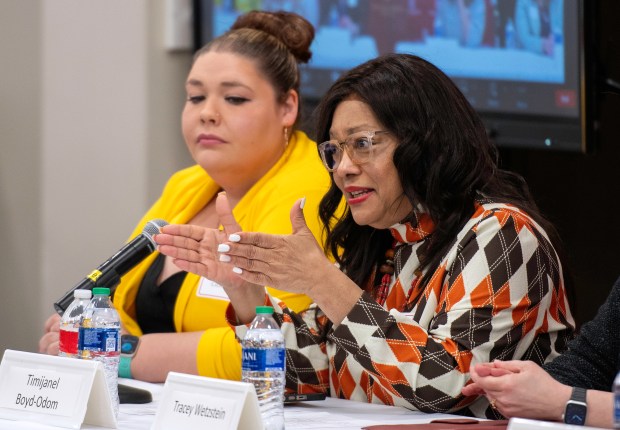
x,y
325,415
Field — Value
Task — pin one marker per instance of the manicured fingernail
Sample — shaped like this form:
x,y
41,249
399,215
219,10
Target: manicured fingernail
x,y
237,270
221,193
234,238
222,247
302,203
225,258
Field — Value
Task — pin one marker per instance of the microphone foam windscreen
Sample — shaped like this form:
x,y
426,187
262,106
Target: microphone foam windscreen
x,y
152,228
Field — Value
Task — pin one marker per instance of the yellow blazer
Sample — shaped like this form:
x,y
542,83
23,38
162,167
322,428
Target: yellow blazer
x,y
265,208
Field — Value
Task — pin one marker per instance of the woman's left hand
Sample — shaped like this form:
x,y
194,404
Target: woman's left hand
x,y
519,389
292,262
49,342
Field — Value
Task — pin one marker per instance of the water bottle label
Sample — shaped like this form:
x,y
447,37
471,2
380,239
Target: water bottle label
x,y
68,341
99,339
260,359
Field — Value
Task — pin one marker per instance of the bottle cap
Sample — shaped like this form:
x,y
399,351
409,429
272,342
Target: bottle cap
x,y
264,310
82,294
101,291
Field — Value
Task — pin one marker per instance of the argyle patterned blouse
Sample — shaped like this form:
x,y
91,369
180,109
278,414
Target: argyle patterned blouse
x,y
497,294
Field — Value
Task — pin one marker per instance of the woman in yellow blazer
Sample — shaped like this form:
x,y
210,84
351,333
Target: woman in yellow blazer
x,y
200,304
242,104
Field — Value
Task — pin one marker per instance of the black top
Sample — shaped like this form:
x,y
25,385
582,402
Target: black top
x,y
593,358
155,303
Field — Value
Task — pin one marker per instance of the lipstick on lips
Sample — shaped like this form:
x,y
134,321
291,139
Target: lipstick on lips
x,y
356,195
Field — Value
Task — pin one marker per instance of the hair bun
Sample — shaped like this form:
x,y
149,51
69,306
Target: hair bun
x,y
293,30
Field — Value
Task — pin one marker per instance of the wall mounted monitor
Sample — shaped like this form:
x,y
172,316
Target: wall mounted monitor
x,y
521,63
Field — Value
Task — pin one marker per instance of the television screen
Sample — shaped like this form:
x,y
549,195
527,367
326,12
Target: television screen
x,y
519,62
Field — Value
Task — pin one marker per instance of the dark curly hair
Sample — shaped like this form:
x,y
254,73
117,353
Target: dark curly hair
x,y
444,159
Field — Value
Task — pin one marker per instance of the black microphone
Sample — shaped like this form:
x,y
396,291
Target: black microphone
x,y
110,272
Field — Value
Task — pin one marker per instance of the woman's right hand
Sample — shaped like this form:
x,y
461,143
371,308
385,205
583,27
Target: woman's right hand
x,y
48,344
195,249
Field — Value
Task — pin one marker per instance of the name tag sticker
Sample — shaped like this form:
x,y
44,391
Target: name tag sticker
x,y
211,290
195,402
57,391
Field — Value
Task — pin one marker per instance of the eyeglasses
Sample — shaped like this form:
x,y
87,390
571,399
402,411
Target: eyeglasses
x,y
359,147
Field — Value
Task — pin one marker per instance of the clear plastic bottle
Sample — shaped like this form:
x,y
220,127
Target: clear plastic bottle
x,y
617,401
99,338
263,364
70,324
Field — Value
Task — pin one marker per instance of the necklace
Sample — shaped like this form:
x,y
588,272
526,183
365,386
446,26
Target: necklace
x,y
387,269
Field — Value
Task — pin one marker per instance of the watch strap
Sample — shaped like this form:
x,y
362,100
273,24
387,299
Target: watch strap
x,y
124,367
578,397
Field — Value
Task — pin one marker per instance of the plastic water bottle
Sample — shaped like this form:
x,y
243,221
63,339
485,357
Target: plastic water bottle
x,y
263,365
70,324
617,401
99,338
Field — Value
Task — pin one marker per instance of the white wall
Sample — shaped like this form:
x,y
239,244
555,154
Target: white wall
x,y
20,163
90,108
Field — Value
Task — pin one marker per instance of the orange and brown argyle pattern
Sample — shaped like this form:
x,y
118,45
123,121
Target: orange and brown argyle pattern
x,y
497,294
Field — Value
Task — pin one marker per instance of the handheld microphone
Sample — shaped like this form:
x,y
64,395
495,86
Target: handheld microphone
x,y
110,272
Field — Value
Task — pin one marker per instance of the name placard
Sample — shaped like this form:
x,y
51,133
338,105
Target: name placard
x,y
57,391
196,403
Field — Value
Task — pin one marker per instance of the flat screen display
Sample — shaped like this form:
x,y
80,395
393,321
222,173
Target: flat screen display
x,y
518,62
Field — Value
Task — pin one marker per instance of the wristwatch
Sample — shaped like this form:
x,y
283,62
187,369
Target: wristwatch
x,y
129,346
576,407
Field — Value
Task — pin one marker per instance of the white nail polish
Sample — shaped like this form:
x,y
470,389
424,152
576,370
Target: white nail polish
x,y
237,270
234,238
222,247
225,258
302,203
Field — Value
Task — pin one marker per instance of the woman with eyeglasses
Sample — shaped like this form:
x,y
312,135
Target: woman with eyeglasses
x,y
443,259
242,103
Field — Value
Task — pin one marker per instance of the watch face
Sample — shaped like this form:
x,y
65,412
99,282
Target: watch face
x,y
129,344
575,413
